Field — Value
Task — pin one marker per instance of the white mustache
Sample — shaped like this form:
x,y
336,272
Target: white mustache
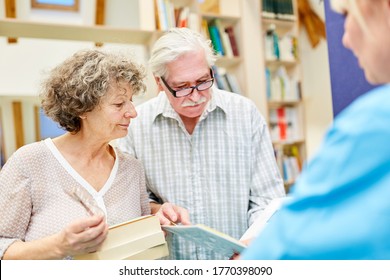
x,y
189,103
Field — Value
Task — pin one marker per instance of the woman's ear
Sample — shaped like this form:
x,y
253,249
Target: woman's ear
x,y
387,11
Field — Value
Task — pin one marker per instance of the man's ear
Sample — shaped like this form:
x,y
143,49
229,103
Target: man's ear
x,y
158,82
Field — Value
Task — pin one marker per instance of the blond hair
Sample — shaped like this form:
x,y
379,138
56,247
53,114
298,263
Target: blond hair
x,y
350,6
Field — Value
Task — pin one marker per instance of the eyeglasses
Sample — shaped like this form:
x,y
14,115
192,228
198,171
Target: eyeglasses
x,y
188,90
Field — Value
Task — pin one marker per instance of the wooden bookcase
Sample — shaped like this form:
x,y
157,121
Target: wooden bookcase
x,y
282,87
230,64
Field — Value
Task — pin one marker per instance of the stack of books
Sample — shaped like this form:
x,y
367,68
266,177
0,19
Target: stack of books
x,y
222,37
137,239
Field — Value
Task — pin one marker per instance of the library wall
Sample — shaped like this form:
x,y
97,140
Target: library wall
x,y
298,92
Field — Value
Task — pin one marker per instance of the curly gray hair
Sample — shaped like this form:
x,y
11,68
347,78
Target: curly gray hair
x,y
77,85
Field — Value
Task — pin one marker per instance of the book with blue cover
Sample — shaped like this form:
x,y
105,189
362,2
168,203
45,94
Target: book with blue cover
x,y
207,237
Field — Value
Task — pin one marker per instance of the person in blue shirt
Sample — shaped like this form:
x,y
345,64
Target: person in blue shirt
x,y
340,205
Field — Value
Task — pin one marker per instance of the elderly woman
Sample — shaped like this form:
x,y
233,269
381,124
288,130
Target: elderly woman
x,y
340,205
58,196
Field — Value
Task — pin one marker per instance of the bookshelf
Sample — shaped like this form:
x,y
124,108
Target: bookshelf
x,y
282,87
59,31
220,20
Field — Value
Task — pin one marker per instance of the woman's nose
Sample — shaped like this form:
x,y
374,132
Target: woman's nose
x,y
131,112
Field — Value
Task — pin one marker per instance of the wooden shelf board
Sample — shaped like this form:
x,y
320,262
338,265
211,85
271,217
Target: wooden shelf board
x,y
281,103
281,26
279,22
288,142
29,29
225,18
227,62
277,63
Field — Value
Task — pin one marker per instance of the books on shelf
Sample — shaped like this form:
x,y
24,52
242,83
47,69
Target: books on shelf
x,y
281,48
267,9
268,83
161,15
219,78
232,82
194,22
290,169
284,10
289,162
225,80
204,28
222,37
232,38
167,15
283,85
279,9
216,38
209,238
227,49
280,86
287,45
183,14
284,124
226,43
140,238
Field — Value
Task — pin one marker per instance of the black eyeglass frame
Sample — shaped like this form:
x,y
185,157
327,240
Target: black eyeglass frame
x,y
171,90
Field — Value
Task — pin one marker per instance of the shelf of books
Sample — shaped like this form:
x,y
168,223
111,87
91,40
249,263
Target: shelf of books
x,y
218,20
279,23
176,13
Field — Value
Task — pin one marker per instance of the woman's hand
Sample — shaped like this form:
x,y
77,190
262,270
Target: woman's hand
x,y
169,213
79,237
82,236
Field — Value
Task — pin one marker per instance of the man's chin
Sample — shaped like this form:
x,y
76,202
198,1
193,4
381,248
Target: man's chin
x,y
191,114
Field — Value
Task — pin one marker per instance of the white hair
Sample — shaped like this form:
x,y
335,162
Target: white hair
x,y
173,44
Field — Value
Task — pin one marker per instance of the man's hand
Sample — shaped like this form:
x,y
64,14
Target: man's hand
x,y
170,213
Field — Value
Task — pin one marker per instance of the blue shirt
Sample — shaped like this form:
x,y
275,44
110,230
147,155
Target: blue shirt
x,y
341,203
